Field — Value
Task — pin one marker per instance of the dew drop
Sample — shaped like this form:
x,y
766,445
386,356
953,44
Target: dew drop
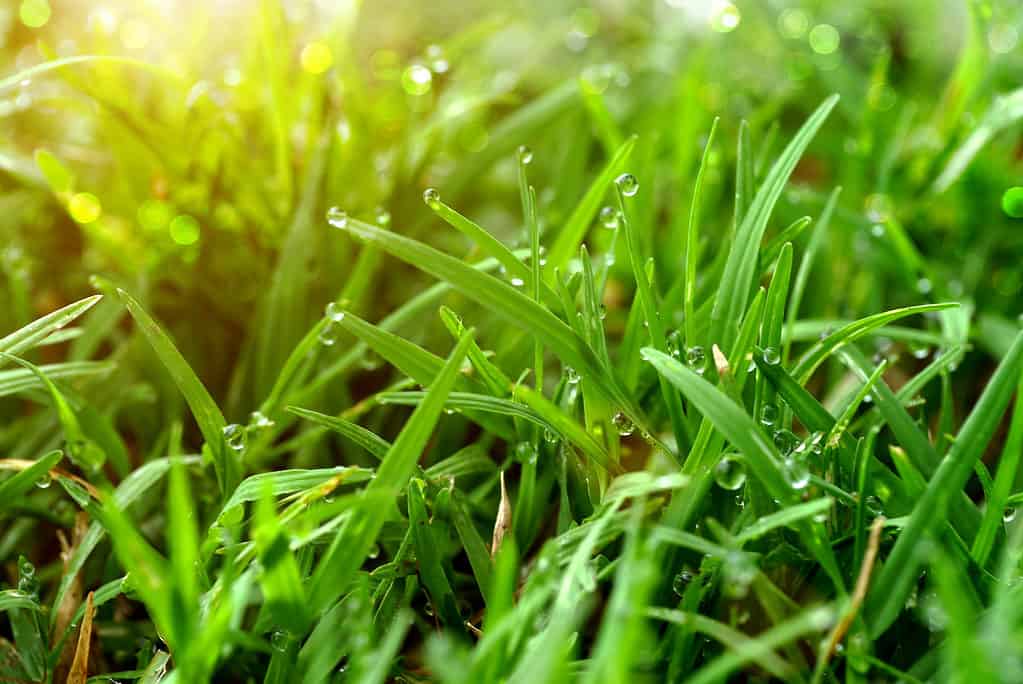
x,y
280,640
437,60
785,441
623,424
571,376
432,198
1009,514
628,184
796,472
609,218
874,506
337,217
259,422
730,472
328,334
675,344
771,356
525,155
681,580
334,312
525,453
417,80
739,572
518,282
44,481
696,359
382,217
769,414
235,436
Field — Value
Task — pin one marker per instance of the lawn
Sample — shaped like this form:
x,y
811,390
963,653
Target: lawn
x,y
518,342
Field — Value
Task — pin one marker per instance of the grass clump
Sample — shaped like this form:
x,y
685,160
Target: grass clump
x,y
565,345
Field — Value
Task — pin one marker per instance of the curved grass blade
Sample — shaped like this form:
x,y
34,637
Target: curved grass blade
x,y
207,414
15,486
507,302
38,330
370,441
815,356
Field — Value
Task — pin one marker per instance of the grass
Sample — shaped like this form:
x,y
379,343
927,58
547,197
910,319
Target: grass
x,y
381,343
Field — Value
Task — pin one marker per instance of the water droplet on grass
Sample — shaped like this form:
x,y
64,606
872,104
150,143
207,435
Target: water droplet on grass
x,y
696,359
525,155
769,414
235,436
334,312
416,80
259,422
628,184
623,424
785,441
432,198
681,580
337,217
1009,514
280,640
609,218
730,473
771,356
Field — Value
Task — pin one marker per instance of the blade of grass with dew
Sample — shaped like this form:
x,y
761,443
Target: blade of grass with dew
x,y
737,279
428,557
918,448
650,309
368,440
1008,465
507,302
38,330
816,355
352,544
760,455
207,414
13,488
572,233
892,586
817,237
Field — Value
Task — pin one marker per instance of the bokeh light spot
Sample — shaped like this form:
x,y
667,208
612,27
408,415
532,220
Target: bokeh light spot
x,y
724,17
316,58
184,229
34,13
416,80
824,39
84,207
1012,202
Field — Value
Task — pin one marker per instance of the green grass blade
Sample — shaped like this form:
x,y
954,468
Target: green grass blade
x,y
207,414
737,279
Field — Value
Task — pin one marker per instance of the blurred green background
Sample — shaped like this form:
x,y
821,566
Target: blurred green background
x,y
188,151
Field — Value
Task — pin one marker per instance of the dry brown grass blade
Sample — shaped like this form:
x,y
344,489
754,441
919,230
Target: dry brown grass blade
x,y
860,591
65,612
503,521
80,667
